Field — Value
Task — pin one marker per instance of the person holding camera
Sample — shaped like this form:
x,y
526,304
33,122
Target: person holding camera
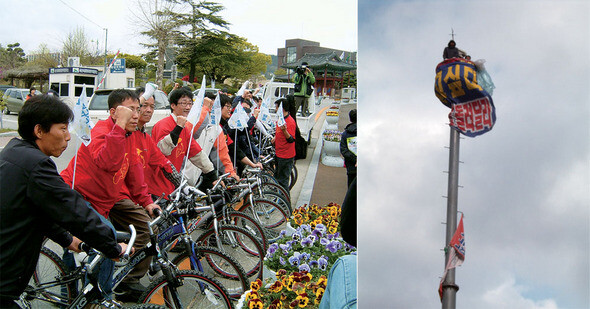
x,y
303,80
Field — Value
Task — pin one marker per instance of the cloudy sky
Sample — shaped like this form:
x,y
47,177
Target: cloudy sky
x,y
265,23
526,185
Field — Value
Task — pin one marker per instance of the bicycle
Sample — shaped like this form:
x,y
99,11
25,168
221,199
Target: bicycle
x,y
233,240
59,290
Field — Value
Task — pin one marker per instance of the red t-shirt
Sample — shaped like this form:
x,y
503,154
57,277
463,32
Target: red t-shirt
x,y
162,129
284,149
152,160
105,165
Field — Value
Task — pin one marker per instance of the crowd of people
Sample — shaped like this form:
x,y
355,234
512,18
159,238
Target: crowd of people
x,y
113,181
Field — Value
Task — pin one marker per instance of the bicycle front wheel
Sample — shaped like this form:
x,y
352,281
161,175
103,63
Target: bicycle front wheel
x,y
50,267
198,290
238,243
219,265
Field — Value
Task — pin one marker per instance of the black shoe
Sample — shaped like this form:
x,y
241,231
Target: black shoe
x,y
129,292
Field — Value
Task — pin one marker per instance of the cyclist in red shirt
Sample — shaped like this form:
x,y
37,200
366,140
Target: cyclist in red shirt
x,y
173,136
126,211
284,141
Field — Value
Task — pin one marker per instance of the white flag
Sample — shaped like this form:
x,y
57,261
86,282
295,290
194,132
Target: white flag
x,y
281,122
264,115
241,91
193,115
216,112
265,103
81,125
239,119
150,88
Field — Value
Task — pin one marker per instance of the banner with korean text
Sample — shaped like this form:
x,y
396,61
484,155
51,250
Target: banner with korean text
x,y
472,109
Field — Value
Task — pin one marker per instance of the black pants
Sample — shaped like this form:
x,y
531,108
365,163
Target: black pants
x,y
283,171
351,177
8,304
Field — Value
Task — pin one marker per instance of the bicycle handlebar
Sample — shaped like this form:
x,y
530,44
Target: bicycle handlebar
x,y
131,242
219,181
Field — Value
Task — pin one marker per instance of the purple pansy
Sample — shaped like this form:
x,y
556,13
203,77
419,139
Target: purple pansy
x,y
322,263
307,242
305,267
294,261
282,261
296,235
320,227
334,246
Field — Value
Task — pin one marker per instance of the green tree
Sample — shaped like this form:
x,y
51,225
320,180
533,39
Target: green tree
x,y
222,56
158,25
201,19
11,57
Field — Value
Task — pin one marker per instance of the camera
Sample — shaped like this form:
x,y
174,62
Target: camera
x,y
301,69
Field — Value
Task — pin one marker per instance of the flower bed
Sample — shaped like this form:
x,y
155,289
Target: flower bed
x,y
332,135
301,261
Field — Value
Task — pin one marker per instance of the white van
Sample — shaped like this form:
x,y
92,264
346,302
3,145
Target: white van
x,y
98,107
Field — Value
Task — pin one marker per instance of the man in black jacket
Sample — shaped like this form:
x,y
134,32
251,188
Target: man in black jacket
x,y
36,202
348,146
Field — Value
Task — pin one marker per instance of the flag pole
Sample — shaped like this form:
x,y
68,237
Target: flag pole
x,y
449,287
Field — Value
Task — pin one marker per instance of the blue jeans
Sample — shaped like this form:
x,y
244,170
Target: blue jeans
x,y
342,287
283,171
106,268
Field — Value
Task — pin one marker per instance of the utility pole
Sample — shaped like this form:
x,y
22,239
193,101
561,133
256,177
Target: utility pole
x,y
449,287
106,34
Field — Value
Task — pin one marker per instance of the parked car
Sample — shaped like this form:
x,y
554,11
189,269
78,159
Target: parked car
x,y
213,91
99,107
4,87
15,99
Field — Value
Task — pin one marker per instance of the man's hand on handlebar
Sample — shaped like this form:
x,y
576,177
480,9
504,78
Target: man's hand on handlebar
x,y
150,209
123,248
75,245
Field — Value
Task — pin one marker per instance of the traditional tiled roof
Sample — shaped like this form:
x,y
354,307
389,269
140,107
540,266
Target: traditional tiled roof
x,y
331,61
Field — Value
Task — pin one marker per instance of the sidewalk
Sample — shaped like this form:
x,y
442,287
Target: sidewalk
x,y
317,183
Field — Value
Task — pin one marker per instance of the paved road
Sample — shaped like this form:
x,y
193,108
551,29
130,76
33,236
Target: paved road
x,y
9,121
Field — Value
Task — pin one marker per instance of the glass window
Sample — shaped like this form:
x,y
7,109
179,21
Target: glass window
x,y
81,80
130,83
89,91
291,54
77,91
64,89
100,101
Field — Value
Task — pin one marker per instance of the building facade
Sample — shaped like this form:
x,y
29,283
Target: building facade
x,y
297,48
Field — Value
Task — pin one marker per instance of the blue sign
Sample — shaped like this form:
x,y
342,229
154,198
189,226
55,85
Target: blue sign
x,y
118,66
